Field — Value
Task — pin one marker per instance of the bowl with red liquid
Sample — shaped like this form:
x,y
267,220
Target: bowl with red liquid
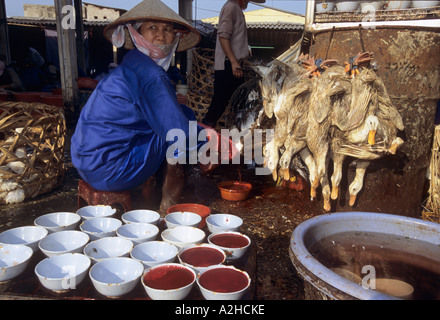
x,y
199,257
223,283
234,244
169,281
234,190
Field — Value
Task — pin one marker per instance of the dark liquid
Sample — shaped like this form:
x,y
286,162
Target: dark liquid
x,y
413,261
229,240
168,277
223,280
202,257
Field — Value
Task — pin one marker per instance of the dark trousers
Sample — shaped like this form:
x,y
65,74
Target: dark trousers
x,y
225,85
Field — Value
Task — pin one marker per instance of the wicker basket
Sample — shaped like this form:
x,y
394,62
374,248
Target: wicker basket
x,y
201,81
31,148
431,210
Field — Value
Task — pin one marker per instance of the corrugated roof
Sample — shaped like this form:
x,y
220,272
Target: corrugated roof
x,y
269,19
51,21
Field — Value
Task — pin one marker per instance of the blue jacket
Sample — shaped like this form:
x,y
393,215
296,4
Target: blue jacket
x,y
120,138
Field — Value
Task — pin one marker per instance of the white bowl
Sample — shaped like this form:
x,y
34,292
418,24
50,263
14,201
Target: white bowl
x,y
108,247
98,228
347,6
27,235
223,222
179,219
115,277
201,258
152,253
425,4
183,236
69,241
214,273
141,216
398,4
325,6
99,211
13,260
63,272
58,221
138,232
231,252
168,271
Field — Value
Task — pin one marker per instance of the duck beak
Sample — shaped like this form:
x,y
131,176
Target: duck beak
x,y
371,137
275,175
352,200
393,148
396,144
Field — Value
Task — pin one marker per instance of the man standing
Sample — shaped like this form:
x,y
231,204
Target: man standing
x,y
230,51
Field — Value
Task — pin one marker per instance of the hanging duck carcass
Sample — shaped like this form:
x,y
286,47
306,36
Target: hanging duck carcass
x,y
254,104
320,111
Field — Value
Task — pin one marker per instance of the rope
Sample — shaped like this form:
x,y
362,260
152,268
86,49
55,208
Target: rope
x,y
360,38
329,42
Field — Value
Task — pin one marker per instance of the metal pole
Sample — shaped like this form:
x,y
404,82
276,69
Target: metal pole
x,y
4,34
185,11
80,35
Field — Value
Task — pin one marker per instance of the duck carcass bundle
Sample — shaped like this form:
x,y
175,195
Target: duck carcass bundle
x,y
377,135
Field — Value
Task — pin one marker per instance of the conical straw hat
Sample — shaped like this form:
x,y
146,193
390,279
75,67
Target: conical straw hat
x,y
154,10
